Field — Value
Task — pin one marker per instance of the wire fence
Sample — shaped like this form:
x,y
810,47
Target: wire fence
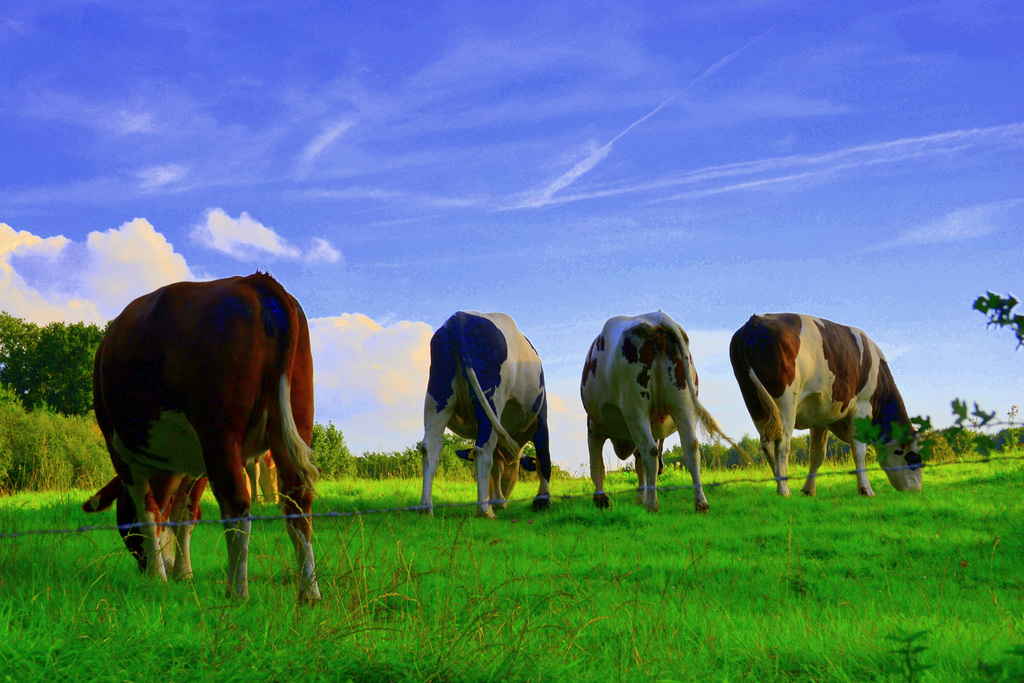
x,y
337,514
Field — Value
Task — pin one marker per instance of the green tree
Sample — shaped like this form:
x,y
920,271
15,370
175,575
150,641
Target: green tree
x,y
330,453
49,366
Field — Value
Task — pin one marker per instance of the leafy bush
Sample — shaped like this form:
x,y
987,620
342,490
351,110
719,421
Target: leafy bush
x,y
41,450
330,453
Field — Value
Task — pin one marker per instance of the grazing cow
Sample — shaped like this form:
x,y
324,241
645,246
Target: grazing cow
x,y
798,371
482,367
638,387
262,478
192,382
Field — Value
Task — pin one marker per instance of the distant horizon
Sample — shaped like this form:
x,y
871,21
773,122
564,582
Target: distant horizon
x,y
562,164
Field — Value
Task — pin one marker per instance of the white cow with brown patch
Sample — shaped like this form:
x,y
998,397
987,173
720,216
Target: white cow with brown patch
x,y
639,386
801,372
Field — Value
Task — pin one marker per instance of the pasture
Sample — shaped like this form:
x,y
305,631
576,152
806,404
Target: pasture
x,y
762,588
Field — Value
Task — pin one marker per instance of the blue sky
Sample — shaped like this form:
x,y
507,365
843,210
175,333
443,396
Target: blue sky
x,y
392,163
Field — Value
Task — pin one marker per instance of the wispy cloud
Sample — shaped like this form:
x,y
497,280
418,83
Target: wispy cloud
x,y
592,160
583,167
246,239
721,63
156,177
777,170
324,140
962,225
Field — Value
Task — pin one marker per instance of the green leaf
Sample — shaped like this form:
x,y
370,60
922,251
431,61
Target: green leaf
x,y
985,417
960,410
923,424
867,432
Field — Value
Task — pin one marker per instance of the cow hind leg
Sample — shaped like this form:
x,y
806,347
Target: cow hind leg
x,y
641,477
647,451
595,444
860,459
296,498
226,471
777,451
543,448
154,540
430,448
816,455
691,451
483,457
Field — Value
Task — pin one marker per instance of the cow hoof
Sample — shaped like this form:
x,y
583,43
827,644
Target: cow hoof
x,y
486,514
426,511
866,492
808,493
701,507
541,503
601,501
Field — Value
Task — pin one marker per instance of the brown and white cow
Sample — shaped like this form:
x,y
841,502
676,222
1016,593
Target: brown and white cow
x,y
192,382
798,371
639,386
261,475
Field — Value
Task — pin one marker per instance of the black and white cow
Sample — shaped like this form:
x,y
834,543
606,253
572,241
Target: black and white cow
x,y
486,383
639,386
798,371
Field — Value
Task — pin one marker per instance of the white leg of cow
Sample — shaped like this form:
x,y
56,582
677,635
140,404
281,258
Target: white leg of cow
x,y
154,540
647,449
641,478
181,567
691,451
543,493
496,491
860,459
595,444
781,448
309,590
484,460
237,534
816,455
430,448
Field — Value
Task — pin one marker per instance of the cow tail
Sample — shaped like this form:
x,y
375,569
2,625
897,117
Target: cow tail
x,y
708,423
281,312
105,497
773,425
506,440
299,454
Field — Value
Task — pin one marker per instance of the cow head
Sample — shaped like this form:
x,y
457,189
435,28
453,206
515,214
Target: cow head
x,y
903,465
127,515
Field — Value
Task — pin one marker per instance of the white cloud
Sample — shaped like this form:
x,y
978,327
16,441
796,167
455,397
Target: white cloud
x,y
158,176
956,226
22,300
246,239
119,265
321,251
370,379
128,262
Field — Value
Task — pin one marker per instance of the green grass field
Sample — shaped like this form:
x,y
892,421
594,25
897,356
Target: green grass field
x,y
761,589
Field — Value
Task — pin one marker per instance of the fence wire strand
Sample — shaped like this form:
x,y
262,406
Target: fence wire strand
x,y
336,514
